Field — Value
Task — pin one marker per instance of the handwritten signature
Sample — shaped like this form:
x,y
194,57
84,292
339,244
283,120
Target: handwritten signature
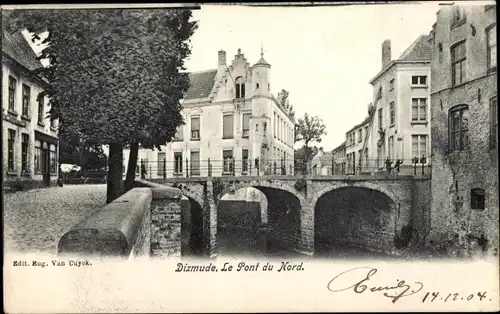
x,y
395,292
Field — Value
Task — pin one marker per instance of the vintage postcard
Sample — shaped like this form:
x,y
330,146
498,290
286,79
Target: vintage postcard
x,y
250,157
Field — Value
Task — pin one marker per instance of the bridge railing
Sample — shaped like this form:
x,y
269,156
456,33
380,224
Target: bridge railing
x,y
244,167
271,167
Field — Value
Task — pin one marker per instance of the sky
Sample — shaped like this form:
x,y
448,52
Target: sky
x,y
324,56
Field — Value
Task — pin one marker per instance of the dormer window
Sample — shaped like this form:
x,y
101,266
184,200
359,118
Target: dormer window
x,y
240,88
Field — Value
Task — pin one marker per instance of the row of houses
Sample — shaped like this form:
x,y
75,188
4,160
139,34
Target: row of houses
x,y
436,106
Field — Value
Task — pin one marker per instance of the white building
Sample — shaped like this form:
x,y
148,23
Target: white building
x,y
354,144
231,119
30,140
400,127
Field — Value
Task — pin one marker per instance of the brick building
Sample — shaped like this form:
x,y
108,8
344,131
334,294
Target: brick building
x,y
232,118
30,140
400,127
464,129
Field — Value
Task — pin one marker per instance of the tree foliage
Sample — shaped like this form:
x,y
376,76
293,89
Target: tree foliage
x,y
309,129
283,98
115,75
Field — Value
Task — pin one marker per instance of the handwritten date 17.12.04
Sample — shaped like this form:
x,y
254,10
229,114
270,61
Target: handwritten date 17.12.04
x,y
430,297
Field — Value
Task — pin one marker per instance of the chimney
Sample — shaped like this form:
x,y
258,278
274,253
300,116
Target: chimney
x,y
222,58
386,53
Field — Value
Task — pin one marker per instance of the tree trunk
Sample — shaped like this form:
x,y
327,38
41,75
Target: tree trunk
x,y
115,170
132,164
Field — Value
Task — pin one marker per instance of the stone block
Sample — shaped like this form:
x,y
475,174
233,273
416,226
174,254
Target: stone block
x,y
120,229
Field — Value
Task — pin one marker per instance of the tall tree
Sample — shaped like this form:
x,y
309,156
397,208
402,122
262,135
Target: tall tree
x,y
114,75
309,129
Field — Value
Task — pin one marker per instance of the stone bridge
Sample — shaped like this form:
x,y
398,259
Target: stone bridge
x,y
308,214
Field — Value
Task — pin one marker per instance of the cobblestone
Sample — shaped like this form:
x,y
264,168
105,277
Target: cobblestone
x,y
35,220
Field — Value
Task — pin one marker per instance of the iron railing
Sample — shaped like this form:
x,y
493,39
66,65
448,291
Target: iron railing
x,y
257,167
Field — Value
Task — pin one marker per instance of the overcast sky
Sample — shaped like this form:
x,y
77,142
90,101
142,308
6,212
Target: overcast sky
x,y
324,56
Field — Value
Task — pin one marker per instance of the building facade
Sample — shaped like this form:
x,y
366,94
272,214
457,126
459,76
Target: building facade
x,y
400,109
465,129
356,161
339,159
322,163
30,140
233,126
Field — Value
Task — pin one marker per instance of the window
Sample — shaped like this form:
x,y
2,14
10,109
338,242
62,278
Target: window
x,y
246,125
380,118
360,135
195,163
458,63
419,109
161,164
392,108
53,159
41,108
379,93
240,88
275,122
24,152
419,80
244,157
366,132
418,146
257,86
53,123
493,122
10,159
12,93
195,128
227,126
477,199
459,128
38,157
391,147
458,15
26,100
178,163
391,84
179,135
227,156
491,48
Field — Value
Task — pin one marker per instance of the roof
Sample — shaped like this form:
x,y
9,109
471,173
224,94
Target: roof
x,y
200,84
262,61
17,47
420,50
339,147
365,121
326,159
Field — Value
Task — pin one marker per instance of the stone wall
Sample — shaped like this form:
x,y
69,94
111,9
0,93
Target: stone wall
x,y
120,229
166,207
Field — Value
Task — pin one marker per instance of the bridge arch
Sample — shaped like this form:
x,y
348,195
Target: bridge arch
x,y
280,213
368,185
261,185
354,218
192,220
